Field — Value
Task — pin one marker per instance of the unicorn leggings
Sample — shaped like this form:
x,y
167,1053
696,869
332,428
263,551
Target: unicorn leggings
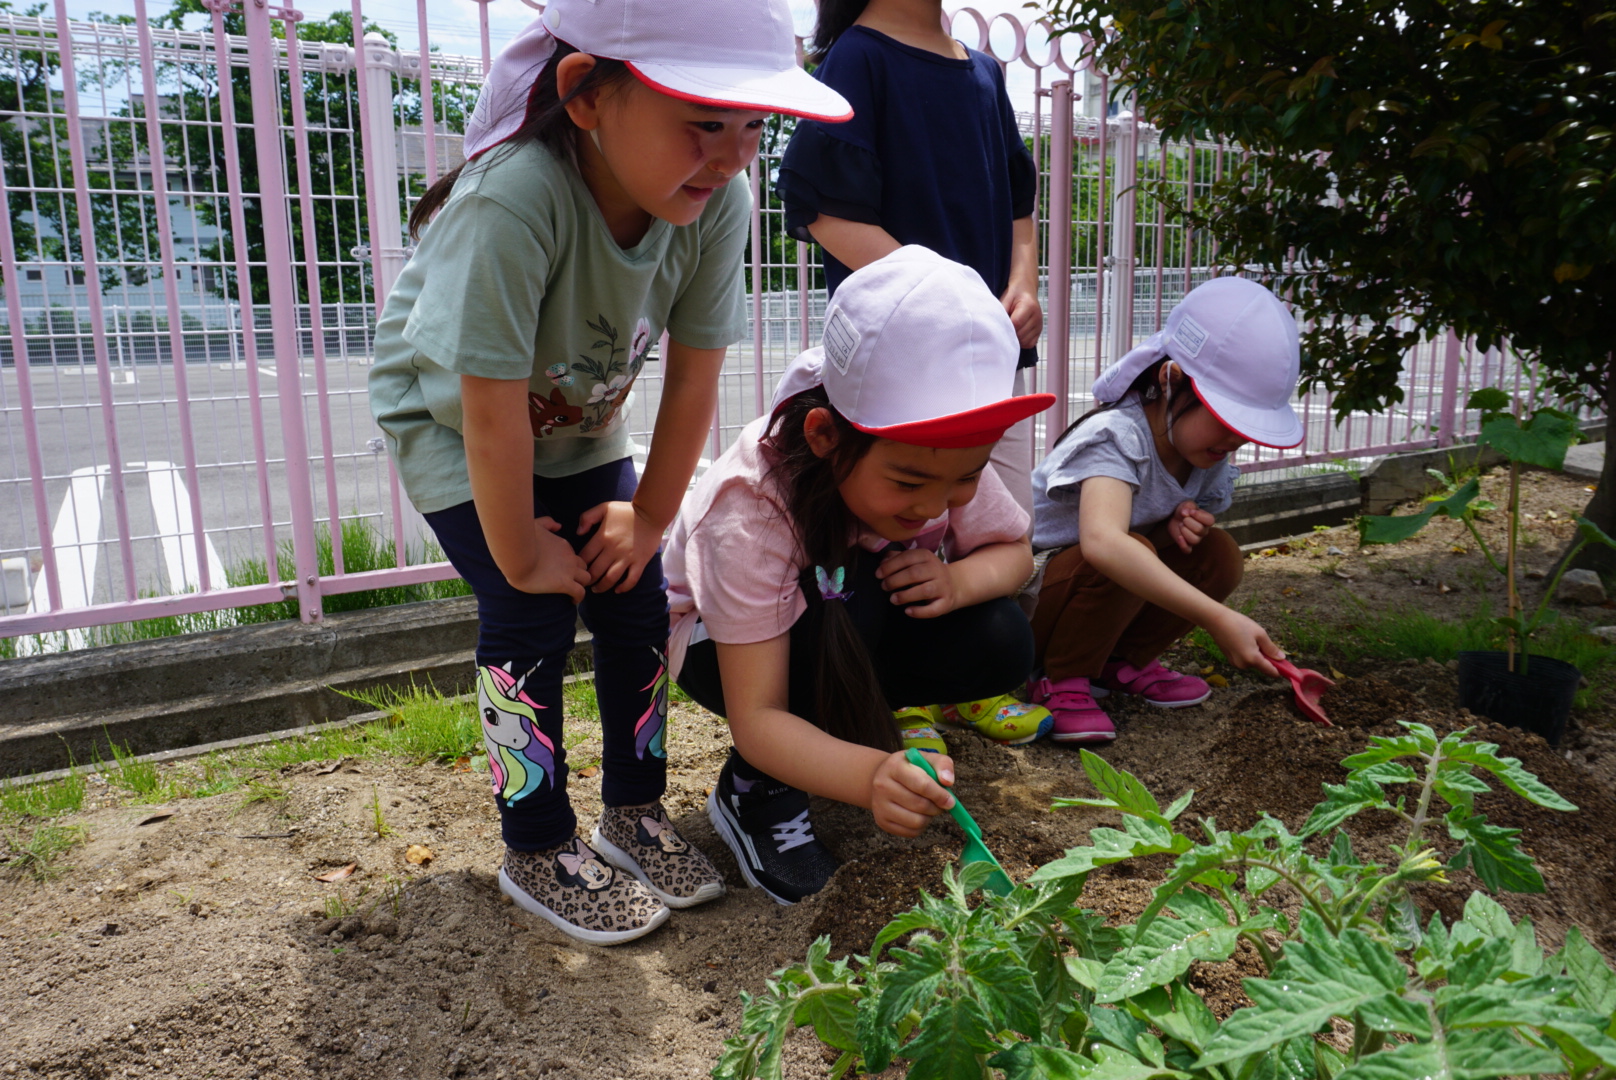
x,y
522,646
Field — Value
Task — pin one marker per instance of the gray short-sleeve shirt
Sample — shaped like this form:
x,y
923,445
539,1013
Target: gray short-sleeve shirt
x,y
520,278
1117,442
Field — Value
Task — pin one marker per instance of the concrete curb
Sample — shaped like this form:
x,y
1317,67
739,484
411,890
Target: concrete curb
x,y
175,697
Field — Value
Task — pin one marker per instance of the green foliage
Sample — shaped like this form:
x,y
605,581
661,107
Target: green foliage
x,y
1403,169
127,771
35,851
1030,985
45,800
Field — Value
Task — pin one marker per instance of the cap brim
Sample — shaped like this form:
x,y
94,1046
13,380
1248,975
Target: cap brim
x,y
1277,429
974,427
792,91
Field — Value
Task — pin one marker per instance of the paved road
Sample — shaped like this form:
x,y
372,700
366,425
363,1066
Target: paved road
x,y
82,502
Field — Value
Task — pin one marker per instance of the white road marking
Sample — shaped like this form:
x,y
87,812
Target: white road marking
x,y
171,506
76,538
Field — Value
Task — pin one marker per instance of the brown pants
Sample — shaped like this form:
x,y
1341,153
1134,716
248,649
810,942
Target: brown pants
x,y
1084,618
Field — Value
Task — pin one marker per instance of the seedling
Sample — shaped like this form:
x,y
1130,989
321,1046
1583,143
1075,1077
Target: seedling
x,y
380,823
1030,985
1540,440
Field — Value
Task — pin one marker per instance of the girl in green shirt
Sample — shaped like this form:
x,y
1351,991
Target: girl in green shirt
x,y
599,208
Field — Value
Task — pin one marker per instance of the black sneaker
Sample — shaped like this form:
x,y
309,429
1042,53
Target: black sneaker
x,y
767,828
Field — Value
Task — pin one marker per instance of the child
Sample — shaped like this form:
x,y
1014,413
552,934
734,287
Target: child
x,y
1127,501
932,156
851,554
503,359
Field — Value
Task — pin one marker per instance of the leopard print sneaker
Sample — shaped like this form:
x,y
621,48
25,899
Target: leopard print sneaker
x,y
641,840
574,889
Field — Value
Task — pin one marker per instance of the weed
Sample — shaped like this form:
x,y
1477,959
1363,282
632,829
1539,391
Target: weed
x,y
36,852
263,791
423,725
64,796
579,701
140,778
378,822
1201,638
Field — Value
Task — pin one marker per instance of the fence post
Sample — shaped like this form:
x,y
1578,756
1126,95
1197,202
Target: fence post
x,y
1450,392
1059,323
378,63
1123,240
270,150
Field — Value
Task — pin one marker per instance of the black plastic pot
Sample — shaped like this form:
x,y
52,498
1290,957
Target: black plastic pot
x,y
1538,701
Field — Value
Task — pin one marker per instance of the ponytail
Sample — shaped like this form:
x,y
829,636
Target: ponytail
x,y
1147,385
835,18
848,702
546,122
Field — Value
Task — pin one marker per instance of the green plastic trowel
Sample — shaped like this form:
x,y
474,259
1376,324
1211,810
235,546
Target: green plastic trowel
x,y
975,850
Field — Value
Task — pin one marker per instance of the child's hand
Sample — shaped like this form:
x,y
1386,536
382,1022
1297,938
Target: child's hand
x,y
1025,314
1245,643
918,577
558,569
903,798
625,541
1189,525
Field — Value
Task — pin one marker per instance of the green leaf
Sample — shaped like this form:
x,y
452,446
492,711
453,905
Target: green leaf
x,y
1342,801
1494,853
1510,772
1138,837
912,983
1179,1012
834,1018
906,923
1542,440
1129,795
1596,982
1373,529
1005,988
1085,972
1386,772
1320,977
1029,1061
1181,804
1593,534
1489,399
1465,1055
952,1033
1164,951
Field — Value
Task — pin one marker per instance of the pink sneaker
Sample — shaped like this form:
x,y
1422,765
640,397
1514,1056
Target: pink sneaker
x,y
1077,717
1154,683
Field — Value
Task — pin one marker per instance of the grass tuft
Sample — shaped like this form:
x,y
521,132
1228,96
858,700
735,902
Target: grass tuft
x,y
36,853
423,726
64,796
140,778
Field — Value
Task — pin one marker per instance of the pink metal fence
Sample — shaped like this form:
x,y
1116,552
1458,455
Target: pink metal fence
x,y
202,219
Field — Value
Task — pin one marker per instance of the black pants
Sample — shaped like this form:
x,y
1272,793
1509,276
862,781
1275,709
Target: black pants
x,y
523,641
968,654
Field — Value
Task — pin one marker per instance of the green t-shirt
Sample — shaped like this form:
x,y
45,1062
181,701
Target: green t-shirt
x,y
519,278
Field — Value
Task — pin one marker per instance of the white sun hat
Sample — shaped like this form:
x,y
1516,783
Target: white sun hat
x,y
918,350
1238,344
739,54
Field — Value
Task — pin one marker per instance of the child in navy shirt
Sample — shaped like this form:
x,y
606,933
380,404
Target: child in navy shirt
x,y
932,156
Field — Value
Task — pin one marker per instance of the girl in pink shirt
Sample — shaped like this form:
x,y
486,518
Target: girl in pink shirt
x,y
852,555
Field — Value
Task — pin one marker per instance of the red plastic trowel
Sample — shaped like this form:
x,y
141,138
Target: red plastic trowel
x,y
1309,687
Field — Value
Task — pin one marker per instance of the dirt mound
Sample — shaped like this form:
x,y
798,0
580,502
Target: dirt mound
x,y
192,946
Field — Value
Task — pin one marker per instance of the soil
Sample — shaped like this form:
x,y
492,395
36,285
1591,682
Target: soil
x,y
198,944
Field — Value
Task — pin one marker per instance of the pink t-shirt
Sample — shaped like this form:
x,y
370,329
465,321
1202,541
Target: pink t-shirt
x,y
732,557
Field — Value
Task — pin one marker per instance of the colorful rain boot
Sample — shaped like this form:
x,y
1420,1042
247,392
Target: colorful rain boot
x,y
917,726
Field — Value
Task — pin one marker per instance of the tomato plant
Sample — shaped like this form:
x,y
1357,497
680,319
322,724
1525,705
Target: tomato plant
x,y
1031,985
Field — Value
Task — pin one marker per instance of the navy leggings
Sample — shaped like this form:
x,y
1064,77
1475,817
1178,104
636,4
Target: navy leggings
x,y
523,640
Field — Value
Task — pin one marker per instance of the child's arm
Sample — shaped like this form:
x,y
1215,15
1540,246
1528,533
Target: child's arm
x,y
919,577
900,796
499,461
629,533
1103,516
1021,296
853,243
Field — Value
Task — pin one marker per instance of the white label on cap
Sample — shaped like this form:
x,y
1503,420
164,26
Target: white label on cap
x,y
1190,334
841,340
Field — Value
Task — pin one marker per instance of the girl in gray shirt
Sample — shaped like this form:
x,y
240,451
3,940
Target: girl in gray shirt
x,y
1126,505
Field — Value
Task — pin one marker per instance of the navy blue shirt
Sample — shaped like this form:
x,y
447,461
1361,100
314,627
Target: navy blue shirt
x,y
932,155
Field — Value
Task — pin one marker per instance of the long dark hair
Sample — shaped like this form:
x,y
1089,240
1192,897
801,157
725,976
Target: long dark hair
x,y
848,697
546,122
1147,385
835,18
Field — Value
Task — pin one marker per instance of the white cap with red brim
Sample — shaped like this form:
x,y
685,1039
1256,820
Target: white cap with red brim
x,y
916,349
735,54
1238,344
